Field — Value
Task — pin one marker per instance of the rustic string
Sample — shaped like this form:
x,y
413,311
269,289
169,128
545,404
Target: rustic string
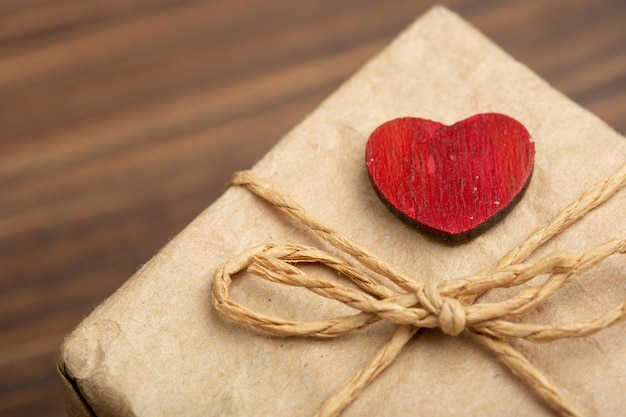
x,y
449,305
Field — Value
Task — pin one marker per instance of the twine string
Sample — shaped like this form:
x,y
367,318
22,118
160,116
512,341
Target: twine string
x,y
449,306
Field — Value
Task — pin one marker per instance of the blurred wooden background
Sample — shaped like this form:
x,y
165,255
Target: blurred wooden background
x,y
120,120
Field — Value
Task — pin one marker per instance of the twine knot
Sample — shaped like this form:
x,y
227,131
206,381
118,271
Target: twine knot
x,y
450,305
449,311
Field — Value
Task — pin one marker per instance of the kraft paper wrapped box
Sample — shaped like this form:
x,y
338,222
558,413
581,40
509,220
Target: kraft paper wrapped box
x,y
157,347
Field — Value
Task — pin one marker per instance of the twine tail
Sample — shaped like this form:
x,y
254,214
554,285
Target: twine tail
x,y
541,384
599,193
340,399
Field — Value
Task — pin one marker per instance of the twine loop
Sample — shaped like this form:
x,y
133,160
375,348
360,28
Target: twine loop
x,y
415,304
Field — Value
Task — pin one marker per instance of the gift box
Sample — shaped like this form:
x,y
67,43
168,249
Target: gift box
x,y
159,345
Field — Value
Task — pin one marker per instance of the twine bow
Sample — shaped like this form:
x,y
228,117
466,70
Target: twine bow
x,y
448,305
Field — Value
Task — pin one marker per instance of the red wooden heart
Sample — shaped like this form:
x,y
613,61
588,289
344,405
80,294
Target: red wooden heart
x,y
454,180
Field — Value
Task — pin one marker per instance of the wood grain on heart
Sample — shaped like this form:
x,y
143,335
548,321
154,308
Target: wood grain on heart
x,y
451,181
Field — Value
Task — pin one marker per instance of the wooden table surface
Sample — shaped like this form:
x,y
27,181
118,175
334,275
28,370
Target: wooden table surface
x,y
121,120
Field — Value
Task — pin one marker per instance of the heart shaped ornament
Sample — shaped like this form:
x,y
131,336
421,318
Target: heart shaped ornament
x,y
451,181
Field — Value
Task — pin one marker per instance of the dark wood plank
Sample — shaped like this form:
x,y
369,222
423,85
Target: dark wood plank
x,y
121,120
